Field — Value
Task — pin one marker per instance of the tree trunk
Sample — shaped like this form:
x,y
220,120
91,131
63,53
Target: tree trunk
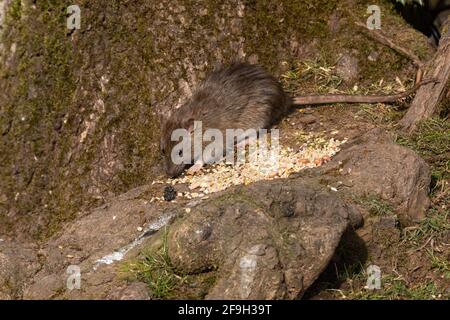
x,y
428,96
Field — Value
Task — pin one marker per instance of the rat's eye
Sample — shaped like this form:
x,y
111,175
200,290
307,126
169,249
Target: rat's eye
x,y
180,153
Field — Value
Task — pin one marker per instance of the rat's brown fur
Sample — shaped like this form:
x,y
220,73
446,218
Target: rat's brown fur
x,y
240,96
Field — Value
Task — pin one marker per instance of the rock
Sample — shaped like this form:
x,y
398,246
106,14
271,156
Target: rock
x,y
308,119
356,219
135,291
260,251
8,278
18,263
347,68
95,243
47,287
374,165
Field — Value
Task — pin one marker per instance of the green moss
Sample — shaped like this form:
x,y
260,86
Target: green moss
x,y
48,97
389,63
15,10
297,20
42,88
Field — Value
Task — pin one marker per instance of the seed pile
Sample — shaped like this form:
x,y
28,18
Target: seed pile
x,y
268,165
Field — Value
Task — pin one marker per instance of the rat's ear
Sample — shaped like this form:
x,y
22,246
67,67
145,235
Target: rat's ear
x,y
188,124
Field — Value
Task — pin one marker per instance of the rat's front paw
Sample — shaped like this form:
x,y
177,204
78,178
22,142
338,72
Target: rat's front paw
x,y
195,168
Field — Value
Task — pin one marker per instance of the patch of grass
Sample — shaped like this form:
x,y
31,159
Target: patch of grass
x,y
317,71
322,75
376,206
435,224
394,289
432,141
380,113
155,269
431,138
440,264
353,272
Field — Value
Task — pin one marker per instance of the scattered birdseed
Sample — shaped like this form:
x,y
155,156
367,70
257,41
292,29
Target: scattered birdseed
x,y
266,166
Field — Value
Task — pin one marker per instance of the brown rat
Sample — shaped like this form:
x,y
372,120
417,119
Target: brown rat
x,y
242,96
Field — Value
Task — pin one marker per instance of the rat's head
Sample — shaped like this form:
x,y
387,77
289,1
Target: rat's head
x,y
170,144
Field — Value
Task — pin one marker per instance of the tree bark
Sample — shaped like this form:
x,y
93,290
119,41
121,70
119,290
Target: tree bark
x,y
428,96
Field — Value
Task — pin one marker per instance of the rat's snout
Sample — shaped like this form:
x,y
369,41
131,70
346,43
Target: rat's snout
x,y
173,170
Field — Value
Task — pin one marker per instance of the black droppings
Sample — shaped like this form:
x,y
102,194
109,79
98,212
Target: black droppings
x,y
169,193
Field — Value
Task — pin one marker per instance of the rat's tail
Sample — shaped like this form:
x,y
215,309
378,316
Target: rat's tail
x,y
348,98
